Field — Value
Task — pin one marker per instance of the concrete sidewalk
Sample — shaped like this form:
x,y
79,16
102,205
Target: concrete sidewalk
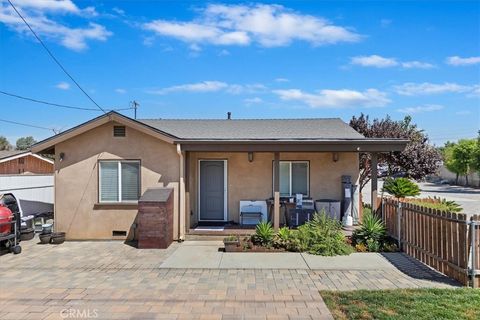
x,y
208,255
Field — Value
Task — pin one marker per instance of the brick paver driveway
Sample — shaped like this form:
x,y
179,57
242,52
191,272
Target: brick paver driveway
x,y
111,280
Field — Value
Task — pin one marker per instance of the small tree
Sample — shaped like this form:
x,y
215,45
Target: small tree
x,y
4,144
25,143
401,187
419,158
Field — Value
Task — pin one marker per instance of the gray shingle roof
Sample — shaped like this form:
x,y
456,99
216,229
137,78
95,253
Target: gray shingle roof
x,y
9,153
255,129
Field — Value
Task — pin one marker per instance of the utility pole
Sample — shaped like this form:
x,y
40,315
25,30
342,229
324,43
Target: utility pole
x,y
135,106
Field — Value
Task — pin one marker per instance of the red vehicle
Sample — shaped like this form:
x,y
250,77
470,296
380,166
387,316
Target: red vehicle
x,y
9,223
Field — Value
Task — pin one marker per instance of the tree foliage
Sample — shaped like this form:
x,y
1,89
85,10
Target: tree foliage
x,y
462,157
4,144
25,143
419,158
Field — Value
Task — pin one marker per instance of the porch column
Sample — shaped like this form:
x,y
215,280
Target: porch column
x,y
181,196
276,191
374,184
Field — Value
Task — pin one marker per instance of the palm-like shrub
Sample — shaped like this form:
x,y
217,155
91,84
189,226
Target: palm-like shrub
x,y
371,234
401,187
263,233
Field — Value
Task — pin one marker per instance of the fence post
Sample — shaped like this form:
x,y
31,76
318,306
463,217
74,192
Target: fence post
x,y
473,227
399,225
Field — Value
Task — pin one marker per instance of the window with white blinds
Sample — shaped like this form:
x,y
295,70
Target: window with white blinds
x,y
119,181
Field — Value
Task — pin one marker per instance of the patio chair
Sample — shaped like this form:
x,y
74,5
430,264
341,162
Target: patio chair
x,y
298,216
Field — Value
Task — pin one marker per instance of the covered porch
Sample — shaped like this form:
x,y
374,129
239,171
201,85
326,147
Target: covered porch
x,y
216,178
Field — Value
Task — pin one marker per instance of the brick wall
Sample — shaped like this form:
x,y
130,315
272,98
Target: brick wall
x,y
155,222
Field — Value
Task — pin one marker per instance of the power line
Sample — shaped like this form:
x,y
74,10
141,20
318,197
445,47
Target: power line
x,y
30,125
56,104
53,57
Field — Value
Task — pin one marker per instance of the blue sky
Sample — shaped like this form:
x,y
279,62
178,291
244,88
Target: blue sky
x,y
257,60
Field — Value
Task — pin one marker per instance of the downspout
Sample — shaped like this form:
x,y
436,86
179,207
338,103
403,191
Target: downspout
x,y
181,195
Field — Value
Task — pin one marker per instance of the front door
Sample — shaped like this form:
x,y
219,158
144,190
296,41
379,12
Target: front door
x,y
212,190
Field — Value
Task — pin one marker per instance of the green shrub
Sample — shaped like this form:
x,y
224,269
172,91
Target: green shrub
x,y
322,236
440,204
371,234
282,238
401,187
263,233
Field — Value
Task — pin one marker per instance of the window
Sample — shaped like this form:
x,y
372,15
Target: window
x,y
119,181
294,177
119,131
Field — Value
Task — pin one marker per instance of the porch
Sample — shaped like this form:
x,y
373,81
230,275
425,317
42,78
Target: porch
x,y
257,172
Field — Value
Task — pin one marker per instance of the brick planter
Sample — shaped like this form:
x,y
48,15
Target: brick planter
x,y
155,219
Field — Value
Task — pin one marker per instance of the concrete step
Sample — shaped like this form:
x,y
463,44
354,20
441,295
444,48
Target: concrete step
x,y
204,237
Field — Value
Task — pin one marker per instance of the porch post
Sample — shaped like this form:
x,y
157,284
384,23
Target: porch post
x,y
181,196
276,191
374,182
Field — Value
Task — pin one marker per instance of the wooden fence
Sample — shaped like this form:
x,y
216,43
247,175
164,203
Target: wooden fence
x,y
448,242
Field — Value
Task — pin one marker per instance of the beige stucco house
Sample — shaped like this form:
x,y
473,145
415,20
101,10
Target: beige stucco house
x,y
103,166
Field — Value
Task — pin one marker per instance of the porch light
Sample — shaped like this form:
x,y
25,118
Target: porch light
x,y
335,156
61,156
250,157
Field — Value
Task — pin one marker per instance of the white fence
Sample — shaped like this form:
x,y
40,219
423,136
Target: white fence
x,y
35,193
473,178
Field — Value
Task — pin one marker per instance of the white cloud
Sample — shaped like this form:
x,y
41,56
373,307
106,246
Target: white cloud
x,y
39,16
211,86
266,25
63,86
414,89
224,53
383,62
421,109
336,98
281,80
255,100
120,91
374,61
463,112
417,65
385,22
458,61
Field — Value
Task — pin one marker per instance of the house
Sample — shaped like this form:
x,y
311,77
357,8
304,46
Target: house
x,y
24,162
104,165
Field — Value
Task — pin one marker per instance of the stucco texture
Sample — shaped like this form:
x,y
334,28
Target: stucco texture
x,y
253,180
77,211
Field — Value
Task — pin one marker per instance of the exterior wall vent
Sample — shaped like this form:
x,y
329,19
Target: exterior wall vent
x,y
119,131
117,233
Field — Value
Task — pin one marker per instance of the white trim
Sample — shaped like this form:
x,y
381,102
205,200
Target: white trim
x,y
225,189
25,154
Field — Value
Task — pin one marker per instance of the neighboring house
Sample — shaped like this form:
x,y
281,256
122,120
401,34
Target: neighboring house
x,y
104,165
24,162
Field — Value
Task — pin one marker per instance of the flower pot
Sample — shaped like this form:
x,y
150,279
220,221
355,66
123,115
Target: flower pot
x,y
45,238
57,238
231,246
27,234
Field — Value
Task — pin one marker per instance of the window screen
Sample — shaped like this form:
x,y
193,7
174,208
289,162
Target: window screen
x,y
109,181
130,183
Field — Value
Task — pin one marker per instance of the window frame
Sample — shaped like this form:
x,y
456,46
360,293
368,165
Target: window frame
x,y
290,176
119,166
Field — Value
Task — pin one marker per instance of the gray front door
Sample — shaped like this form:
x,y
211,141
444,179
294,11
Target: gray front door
x,y
212,190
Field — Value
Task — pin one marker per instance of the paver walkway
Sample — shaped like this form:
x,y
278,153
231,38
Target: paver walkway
x,y
110,280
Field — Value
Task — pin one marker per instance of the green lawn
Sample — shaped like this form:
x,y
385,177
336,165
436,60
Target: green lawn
x,y
404,304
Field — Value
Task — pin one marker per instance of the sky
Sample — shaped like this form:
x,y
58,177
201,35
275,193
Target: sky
x,y
279,59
